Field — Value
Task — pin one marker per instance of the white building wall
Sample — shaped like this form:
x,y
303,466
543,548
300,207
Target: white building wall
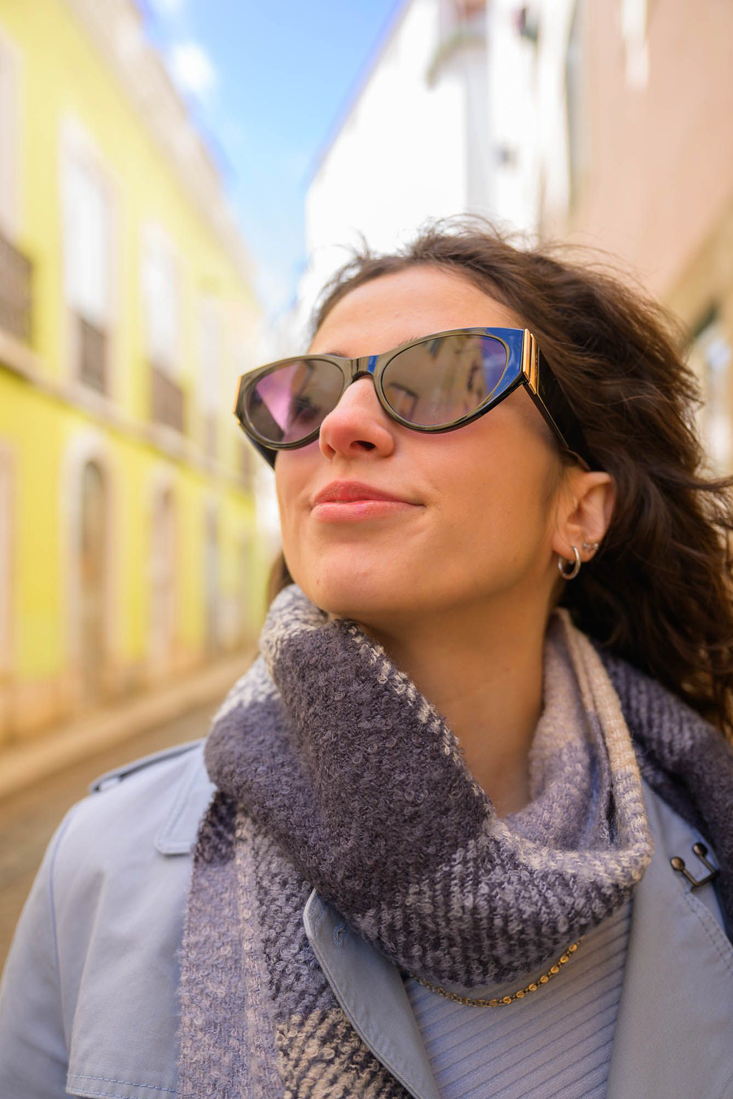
x,y
407,150
489,133
528,111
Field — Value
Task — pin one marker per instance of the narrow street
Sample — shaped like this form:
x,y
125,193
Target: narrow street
x,y
29,818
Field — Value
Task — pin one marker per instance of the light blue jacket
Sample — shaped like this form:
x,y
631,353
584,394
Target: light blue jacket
x,y
88,1003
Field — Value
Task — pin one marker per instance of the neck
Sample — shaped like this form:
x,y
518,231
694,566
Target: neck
x,y
481,668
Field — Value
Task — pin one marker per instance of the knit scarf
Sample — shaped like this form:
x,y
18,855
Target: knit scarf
x,y
333,772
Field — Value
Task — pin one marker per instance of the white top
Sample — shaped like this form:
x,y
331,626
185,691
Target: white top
x,y
556,1042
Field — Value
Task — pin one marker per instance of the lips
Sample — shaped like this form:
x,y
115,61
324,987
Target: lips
x,y
343,492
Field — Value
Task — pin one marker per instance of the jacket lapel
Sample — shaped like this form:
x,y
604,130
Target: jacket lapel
x,y
674,1032
178,831
372,994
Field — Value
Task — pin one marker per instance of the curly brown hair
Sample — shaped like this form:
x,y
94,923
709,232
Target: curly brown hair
x,y
658,593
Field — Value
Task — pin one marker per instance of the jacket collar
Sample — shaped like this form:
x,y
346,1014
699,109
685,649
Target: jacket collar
x,y
367,985
678,977
179,829
677,981
372,994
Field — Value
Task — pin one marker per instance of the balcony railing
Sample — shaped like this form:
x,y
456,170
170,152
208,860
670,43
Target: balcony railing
x,y
15,291
166,399
92,354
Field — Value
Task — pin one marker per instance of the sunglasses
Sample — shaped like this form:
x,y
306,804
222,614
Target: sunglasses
x,y
434,384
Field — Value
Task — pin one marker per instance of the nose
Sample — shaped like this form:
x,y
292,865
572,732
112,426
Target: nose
x,y
358,425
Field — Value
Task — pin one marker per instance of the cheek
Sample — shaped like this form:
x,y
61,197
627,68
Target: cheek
x,y
294,479
494,491
287,491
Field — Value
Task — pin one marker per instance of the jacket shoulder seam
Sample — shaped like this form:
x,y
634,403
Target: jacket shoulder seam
x,y
113,1080
53,853
119,774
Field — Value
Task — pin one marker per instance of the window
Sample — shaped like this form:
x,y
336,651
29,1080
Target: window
x,y
160,290
247,468
92,563
162,309
209,369
574,97
15,268
457,13
162,573
711,356
87,263
634,18
8,142
212,579
6,555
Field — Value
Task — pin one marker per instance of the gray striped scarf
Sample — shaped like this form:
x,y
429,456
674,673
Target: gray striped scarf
x,y
334,772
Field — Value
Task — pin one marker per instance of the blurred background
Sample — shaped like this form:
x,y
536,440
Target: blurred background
x,y
178,178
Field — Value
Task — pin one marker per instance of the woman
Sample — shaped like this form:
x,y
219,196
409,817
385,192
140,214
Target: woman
x,y
444,844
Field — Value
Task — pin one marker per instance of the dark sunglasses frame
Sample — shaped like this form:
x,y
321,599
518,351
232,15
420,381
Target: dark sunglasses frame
x,y
526,366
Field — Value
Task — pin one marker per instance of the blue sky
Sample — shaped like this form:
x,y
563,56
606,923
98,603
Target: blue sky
x,y
266,84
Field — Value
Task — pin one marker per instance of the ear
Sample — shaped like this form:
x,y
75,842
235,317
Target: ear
x,y
584,510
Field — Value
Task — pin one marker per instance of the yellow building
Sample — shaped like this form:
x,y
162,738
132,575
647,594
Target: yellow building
x,y
127,542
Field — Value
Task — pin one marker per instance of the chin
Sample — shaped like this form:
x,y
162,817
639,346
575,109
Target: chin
x,y
368,596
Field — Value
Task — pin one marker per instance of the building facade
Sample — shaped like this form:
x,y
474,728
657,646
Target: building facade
x,y
632,108
128,548
601,123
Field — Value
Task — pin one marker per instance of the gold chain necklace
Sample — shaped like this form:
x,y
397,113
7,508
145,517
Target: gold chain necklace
x,y
503,1000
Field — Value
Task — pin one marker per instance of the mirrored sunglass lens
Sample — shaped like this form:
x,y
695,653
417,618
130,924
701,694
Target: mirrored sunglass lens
x,y
291,402
437,382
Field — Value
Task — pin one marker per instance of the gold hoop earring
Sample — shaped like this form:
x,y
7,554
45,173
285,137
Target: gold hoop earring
x,y
562,564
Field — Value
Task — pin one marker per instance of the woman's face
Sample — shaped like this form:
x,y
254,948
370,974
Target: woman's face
x,y
477,517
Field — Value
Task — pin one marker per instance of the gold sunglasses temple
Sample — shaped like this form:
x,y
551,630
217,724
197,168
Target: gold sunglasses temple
x,y
531,361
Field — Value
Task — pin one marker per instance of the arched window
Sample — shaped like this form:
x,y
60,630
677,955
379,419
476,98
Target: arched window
x,y
212,580
92,559
162,577
88,259
575,90
6,551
